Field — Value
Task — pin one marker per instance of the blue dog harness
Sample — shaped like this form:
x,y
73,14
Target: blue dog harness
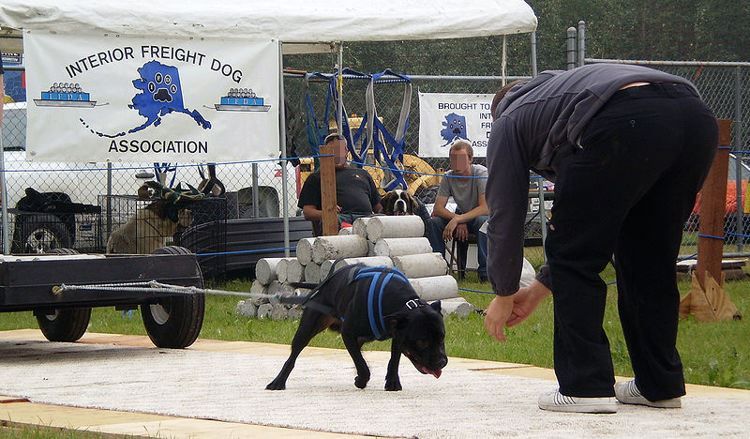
x,y
380,277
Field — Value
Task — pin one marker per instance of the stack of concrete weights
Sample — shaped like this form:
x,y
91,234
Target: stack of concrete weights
x,y
391,241
272,283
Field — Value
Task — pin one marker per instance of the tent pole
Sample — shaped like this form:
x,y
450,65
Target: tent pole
x,y
340,90
282,146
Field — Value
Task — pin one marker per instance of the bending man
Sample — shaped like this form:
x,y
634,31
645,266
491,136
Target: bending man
x,y
628,148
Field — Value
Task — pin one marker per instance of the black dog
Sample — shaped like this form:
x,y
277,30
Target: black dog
x,y
372,303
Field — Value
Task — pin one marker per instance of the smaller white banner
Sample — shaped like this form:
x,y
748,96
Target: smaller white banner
x,y
445,117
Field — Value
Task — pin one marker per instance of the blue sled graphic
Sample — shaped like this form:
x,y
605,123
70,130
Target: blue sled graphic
x,y
65,95
242,99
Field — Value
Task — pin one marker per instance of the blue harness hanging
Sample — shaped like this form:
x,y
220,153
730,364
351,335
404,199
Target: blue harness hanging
x,y
378,137
317,132
381,137
379,279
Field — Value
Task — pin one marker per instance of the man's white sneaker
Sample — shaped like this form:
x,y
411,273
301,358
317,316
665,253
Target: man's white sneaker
x,y
628,393
557,402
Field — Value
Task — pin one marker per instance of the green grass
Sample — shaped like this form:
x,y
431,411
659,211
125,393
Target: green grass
x,y
23,431
712,353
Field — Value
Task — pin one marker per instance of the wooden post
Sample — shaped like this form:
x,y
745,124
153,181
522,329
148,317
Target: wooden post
x,y
712,210
707,300
328,189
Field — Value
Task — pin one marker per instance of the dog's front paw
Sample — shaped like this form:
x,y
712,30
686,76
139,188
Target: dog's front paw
x,y
361,381
392,384
275,385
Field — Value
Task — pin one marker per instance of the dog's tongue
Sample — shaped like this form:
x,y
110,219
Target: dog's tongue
x,y
436,373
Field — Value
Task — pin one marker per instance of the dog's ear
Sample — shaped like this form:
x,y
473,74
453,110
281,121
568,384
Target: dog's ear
x,y
387,202
436,306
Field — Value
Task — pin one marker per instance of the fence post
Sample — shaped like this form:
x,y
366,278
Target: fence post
x,y
740,228
108,204
581,42
533,54
571,48
504,61
707,300
713,199
3,181
256,195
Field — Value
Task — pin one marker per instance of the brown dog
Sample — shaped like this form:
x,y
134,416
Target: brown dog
x,y
147,230
399,202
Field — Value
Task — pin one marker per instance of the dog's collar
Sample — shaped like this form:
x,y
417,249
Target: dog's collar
x,y
414,303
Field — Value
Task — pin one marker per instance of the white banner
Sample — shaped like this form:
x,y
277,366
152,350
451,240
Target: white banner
x,y
445,117
136,99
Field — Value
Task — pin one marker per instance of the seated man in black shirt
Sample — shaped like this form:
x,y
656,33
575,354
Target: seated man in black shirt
x,y
356,193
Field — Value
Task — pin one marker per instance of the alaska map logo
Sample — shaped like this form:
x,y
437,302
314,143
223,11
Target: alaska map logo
x,y
454,128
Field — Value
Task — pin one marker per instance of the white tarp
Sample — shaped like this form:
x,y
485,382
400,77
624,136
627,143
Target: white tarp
x,y
287,20
122,98
446,117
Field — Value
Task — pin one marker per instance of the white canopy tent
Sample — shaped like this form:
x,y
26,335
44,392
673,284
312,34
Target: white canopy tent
x,y
298,24
288,21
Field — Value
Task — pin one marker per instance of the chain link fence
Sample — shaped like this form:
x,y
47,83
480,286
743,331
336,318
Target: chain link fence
x,y
256,189
725,87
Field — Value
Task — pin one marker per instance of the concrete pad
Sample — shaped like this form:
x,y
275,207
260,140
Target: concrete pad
x,y
224,381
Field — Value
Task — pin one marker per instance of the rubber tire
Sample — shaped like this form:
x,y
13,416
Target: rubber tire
x,y
268,205
184,313
68,324
33,223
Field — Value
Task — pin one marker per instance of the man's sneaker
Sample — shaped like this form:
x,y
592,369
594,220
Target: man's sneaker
x,y
557,402
628,393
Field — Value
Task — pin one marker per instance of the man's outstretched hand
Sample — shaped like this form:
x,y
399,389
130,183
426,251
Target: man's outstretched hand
x,y
511,310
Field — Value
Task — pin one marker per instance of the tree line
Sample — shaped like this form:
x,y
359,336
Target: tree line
x,y
705,30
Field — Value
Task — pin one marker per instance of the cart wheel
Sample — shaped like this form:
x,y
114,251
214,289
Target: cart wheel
x,y
175,321
67,324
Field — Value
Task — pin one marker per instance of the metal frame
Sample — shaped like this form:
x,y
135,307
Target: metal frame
x,y
28,285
